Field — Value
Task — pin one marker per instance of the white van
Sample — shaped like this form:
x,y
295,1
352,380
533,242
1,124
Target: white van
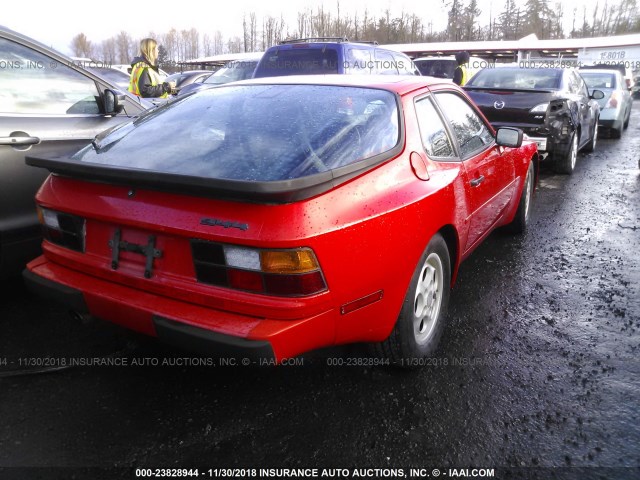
x,y
443,67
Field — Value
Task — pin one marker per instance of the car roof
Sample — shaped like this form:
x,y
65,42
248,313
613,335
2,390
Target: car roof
x,y
441,57
249,57
12,34
600,70
65,60
324,42
192,72
529,69
400,84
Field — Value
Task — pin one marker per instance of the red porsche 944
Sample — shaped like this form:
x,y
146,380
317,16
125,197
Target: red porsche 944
x,y
270,217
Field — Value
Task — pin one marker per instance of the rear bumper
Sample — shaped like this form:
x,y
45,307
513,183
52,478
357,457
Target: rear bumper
x,y
553,137
196,328
611,118
541,142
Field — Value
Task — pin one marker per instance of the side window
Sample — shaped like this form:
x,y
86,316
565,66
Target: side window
x,y
574,84
385,63
404,64
584,91
358,61
470,131
434,135
33,83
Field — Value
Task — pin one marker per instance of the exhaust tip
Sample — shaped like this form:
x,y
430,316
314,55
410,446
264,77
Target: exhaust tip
x,y
83,318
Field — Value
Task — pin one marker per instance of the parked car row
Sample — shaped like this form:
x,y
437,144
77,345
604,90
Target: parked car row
x,y
552,106
563,110
313,56
233,71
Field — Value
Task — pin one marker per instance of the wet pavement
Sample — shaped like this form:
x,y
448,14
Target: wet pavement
x,y
537,374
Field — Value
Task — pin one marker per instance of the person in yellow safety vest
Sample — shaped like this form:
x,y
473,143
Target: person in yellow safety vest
x,y
460,75
145,80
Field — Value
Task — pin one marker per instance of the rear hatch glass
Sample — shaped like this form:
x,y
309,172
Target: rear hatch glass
x,y
256,133
249,139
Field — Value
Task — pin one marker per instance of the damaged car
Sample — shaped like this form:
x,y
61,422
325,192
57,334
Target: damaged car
x,y
552,106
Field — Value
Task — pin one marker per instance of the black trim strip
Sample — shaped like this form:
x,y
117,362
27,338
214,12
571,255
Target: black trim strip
x,y
55,291
211,343
277,192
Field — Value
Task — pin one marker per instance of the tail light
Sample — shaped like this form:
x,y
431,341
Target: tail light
x,y
613,100
291,272
63,229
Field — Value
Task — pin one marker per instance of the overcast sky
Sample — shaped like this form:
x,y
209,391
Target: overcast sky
x,y
56,23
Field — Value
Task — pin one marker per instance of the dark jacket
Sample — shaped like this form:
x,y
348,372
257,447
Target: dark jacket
x,y
459,75
147,90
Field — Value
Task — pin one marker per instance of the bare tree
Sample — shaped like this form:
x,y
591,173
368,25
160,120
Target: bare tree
x,y
124,47
109,50
245,32
512,23
303,24
253,30
170,42
218,43
271,32
81,46
194,44
235,45
207,45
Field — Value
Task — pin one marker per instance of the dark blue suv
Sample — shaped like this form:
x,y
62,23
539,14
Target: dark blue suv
x,y
331,55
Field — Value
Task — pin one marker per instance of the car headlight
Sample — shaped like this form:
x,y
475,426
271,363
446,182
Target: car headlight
x,y
542,108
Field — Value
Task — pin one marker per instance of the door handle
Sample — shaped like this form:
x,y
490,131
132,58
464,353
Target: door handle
x,y
477,181
19,141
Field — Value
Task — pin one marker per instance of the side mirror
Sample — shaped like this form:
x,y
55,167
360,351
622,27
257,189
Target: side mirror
x,y
509,137
113,102
597,95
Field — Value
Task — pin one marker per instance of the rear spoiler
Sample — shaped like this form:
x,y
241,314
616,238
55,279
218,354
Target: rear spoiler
x,y
271,192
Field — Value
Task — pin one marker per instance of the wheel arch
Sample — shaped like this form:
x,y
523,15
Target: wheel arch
x,y
451,238
536,159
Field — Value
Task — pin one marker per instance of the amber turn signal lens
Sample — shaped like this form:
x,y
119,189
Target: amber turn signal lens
x,y
40,215
288,261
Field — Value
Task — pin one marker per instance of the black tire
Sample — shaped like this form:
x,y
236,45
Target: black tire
x,y
626,122
415,336
567,163
521,220
591,146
